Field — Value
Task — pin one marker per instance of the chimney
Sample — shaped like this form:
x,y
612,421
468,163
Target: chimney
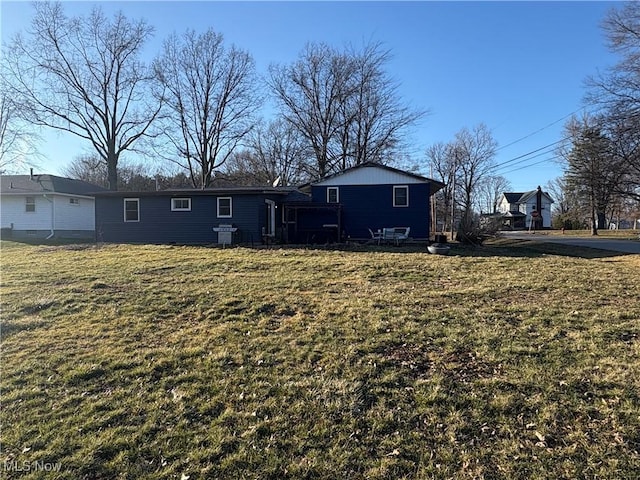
x,y
539,202
31,174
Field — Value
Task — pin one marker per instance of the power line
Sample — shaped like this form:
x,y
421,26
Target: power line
x,y
539,130
532,164
506,162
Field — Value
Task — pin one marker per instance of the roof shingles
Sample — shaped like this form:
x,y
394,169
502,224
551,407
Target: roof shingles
x,y
26,184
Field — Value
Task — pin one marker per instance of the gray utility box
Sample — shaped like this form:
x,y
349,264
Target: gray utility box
x,y
225,234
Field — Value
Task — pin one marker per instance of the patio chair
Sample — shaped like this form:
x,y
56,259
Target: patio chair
x,y
402,234
375,237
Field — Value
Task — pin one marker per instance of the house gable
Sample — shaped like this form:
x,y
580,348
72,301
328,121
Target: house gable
x,y
375,174
518,208
373,196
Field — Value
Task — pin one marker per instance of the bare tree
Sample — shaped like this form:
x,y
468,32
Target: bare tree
x,y
374,119
557,189
89,168
617,90
312,93
210,99
443,167
83,75
131,176
617,93
344,104
275,155
490,189
17,140
473,151
281,153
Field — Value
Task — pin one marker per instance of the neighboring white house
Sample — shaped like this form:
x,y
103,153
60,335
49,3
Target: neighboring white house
x,y
529,210
36,207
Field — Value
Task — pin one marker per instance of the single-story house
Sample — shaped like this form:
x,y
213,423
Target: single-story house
x,y
338,207
190,216
42,207
528,210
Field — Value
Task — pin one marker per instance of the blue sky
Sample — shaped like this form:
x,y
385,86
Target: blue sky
x,y
518,67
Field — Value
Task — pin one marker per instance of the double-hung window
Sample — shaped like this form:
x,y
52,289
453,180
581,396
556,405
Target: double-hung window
x,y
30,204
333,195
180,204
225,207
401,196
131,209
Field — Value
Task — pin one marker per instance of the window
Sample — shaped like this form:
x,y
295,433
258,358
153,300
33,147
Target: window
x,y
74,201
30,204
224,207
131,210
401,196
332,195
180,204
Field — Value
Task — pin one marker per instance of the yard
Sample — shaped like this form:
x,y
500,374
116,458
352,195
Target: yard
x,y
513,361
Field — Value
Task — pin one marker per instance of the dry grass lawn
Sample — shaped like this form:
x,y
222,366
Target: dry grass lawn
x,y
513,361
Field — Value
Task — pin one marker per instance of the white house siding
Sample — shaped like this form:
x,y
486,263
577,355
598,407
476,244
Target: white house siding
x,y
52,212
504,206
13,213
369,176
70,216
531,206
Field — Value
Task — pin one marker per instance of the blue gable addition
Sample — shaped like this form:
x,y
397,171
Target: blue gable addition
x,y
373,196
158,221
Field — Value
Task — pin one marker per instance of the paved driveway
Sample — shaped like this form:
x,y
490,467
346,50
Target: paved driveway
x,y
603,243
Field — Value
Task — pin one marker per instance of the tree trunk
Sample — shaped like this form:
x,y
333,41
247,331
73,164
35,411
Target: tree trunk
x,y
112,172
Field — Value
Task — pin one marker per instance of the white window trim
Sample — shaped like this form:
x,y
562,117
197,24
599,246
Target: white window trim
x,y
27,203
176,209
337,189
405,187
124,206
230,207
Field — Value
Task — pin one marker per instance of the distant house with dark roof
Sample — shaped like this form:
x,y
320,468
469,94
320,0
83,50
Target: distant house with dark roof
x,y
42,207
527,210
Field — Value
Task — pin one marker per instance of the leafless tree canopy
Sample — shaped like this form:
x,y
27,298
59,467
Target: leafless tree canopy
x,y
17,139
464,165
131,176
616,93
343,103
210,100
490,189
276,154
83,75
474,151
443,167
